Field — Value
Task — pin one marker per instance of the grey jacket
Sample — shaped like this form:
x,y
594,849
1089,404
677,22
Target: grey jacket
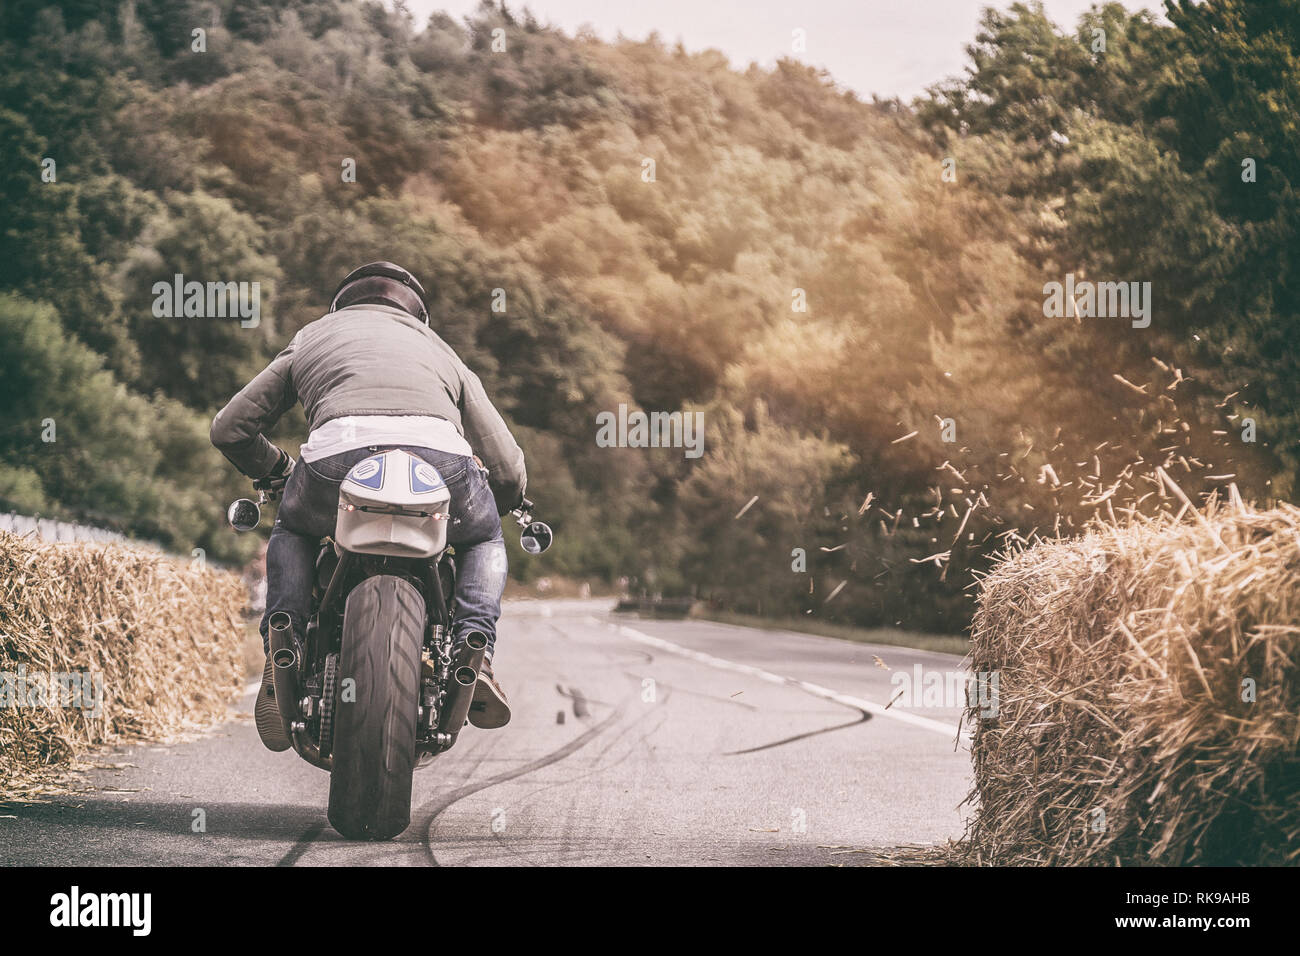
x,y
369,360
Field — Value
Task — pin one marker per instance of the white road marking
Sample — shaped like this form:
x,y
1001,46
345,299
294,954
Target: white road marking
x,y
878,710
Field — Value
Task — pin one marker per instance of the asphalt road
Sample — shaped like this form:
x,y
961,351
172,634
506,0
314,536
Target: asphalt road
x,y
632,742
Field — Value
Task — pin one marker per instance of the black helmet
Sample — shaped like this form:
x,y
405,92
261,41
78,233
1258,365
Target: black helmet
x,y
384,283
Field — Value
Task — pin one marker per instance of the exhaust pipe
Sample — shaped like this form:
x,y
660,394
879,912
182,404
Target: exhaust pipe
x,y
464,675
284,677
284,668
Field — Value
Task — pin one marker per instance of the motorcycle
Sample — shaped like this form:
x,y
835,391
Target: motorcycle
x,y
374,689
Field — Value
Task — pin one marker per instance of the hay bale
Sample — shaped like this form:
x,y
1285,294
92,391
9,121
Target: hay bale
x,y
1125,732
163,634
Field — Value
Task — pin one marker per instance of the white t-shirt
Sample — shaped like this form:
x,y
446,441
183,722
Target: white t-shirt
x,y
361,431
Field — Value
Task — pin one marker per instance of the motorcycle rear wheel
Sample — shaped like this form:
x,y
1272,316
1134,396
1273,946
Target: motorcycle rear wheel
x,y
375,731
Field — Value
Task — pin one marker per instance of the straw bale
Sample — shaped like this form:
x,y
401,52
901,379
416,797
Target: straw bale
x,y
163,634
1148,695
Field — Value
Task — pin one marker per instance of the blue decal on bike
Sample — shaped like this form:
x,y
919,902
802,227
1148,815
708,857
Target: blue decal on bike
x,y
425,478
368,473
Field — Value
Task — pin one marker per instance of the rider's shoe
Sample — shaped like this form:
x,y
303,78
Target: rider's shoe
x,y
490,709
266,714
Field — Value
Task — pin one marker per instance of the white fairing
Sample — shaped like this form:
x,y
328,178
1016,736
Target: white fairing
x,y
393,503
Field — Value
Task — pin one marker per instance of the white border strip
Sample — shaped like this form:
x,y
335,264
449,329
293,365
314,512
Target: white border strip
x,y
926,723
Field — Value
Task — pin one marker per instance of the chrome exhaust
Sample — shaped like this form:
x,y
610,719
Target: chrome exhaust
x,y
464,675
284,677
284,667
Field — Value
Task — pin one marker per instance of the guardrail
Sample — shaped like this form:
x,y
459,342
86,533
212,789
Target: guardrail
x,y
49,529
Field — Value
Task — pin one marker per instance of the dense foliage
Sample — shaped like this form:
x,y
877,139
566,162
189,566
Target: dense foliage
x,y
820,276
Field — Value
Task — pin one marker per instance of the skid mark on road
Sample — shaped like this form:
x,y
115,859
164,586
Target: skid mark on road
x,y
825,693
302,845
804,736
436,807
580,700
473,759
565,848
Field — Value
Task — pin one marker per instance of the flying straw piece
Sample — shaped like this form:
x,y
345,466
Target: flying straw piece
x,y
749,504
938,559
960,476
1123,381
962,526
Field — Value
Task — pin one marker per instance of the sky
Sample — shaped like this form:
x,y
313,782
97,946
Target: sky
x,y
886,47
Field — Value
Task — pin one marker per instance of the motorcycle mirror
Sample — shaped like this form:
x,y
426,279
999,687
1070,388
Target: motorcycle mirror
x,y
244,515
536,538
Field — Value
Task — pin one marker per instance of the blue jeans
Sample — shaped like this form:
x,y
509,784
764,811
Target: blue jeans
x,y
310,506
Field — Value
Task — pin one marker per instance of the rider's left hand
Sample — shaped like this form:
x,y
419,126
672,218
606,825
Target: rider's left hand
x,y
274,481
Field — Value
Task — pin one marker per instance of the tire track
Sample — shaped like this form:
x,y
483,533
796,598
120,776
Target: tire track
x,y
302,845
438,806
474,759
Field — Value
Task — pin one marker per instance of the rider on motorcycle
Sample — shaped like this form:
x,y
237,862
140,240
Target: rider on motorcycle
x,y
371,374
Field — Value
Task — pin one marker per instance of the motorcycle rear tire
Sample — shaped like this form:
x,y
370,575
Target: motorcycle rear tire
x,y
374,733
